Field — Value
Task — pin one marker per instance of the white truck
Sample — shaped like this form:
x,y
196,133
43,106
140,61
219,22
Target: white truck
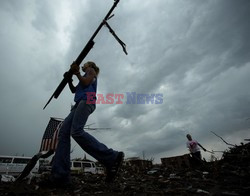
x,y
14,165
78,167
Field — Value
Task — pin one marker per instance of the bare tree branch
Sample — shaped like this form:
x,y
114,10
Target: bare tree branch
x,y
223,139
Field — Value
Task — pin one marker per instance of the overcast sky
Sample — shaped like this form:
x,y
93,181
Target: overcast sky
x,y
195,53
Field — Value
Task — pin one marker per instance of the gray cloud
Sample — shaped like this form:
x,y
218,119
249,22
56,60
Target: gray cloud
x,y
195,53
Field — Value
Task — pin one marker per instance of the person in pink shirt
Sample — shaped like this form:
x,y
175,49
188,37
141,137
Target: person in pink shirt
x,y
194,149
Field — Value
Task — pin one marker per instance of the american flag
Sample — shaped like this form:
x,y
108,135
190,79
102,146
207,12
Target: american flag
x,y
50,135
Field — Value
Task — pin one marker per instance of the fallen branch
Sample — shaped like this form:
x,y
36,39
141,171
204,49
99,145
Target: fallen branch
x,y
223,139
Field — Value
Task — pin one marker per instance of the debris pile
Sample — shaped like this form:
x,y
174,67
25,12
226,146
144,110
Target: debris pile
x,y
228,176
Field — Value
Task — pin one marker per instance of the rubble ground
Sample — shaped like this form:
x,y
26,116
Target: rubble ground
x,y
229,176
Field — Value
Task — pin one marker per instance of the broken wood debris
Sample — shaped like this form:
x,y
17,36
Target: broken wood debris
x,y
228,176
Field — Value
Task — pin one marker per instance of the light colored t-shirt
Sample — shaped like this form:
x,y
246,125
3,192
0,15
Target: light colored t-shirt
x,y
193,146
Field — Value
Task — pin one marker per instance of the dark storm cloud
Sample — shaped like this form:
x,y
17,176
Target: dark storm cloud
x,y
195,53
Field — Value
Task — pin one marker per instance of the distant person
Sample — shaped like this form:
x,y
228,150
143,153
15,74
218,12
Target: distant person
x,y
194,149
73,126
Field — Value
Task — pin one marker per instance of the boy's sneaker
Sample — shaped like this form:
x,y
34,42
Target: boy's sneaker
x,y
113,171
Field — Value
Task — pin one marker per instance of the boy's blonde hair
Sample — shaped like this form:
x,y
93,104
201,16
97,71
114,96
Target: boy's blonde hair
x,y
94,66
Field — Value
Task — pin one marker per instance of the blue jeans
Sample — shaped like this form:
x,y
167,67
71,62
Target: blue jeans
x,y
73,125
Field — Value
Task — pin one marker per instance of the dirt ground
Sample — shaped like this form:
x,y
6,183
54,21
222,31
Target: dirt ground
x,y
228,176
